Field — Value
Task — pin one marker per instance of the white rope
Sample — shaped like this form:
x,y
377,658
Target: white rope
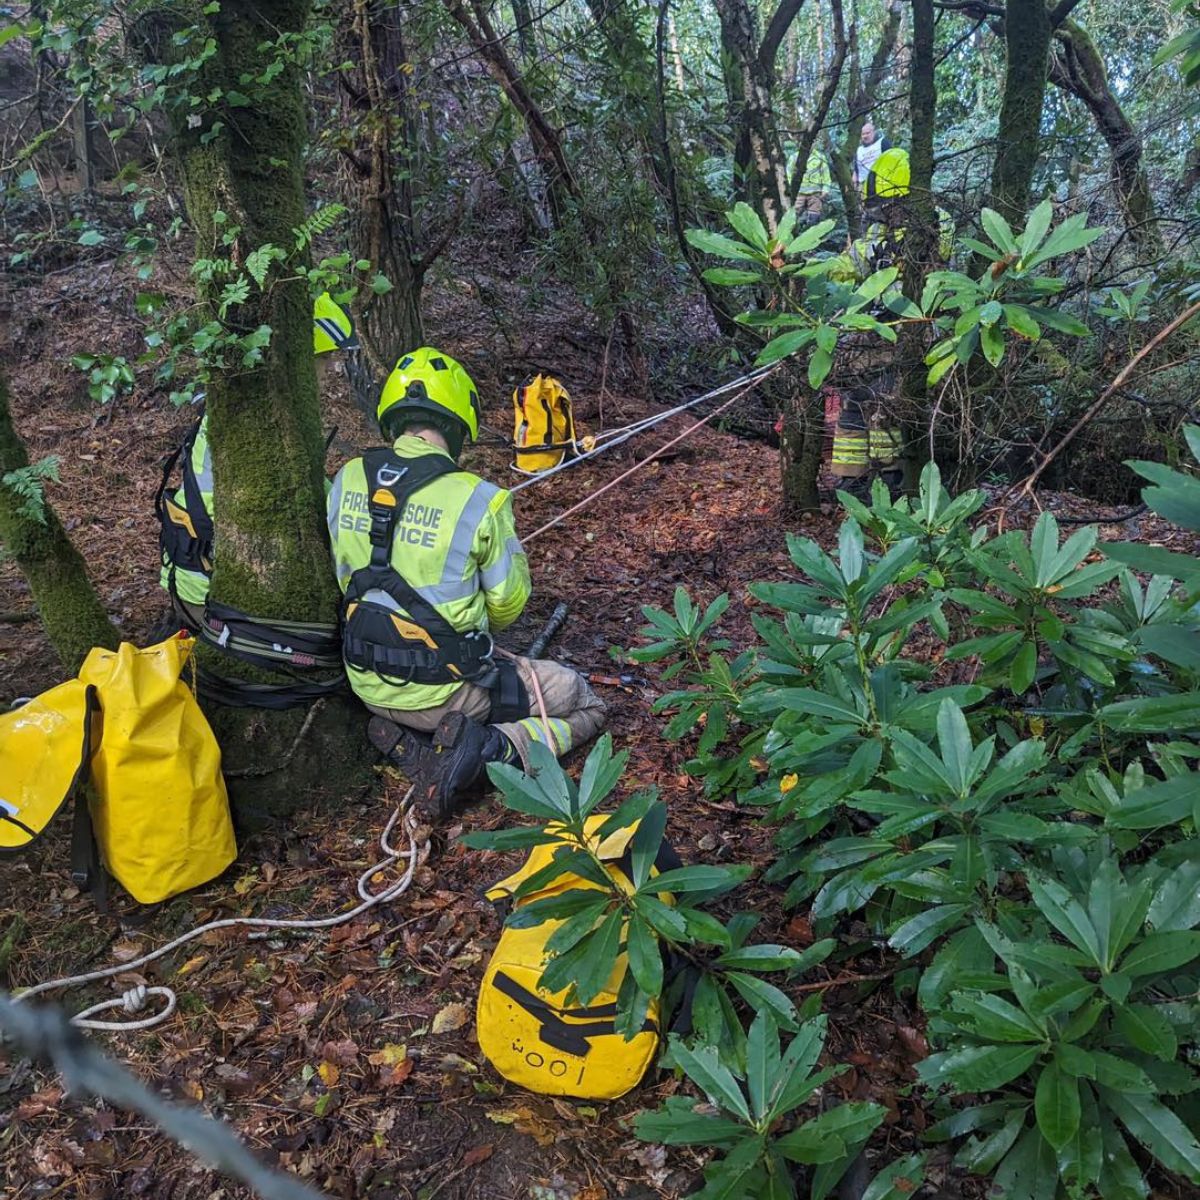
x,y
615,437
135,999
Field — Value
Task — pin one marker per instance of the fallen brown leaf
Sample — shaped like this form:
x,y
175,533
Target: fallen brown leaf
x,y
473,1158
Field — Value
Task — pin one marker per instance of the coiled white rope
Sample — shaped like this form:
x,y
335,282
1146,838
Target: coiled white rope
x,y
135,999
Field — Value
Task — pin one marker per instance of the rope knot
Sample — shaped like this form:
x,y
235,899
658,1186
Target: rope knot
x,y
134,1000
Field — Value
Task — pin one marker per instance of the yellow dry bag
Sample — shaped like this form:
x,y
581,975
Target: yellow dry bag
x,y
161,812
533,1037
45,746
543,426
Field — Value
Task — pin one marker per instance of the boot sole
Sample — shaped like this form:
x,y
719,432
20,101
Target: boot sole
x,y
431,798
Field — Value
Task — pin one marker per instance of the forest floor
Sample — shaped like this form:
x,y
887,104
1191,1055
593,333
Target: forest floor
x,y
297,1042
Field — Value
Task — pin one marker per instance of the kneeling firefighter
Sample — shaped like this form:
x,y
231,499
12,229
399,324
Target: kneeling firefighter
x,y
428,559
185,518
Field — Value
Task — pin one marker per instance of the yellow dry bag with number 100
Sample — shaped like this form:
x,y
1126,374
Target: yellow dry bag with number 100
x,y
534,1038
543,426
161,812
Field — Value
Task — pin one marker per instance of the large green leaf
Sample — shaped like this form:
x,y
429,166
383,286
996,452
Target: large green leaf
x,y
978,1068
762,1061
1056,1104
1154,560
1030,1172
716,243
1146,1029
749,224
1162,952
898,1180
1176,903
826,1138
678,1124
995,1019
1066,914
645,957
704,1068
1159,1130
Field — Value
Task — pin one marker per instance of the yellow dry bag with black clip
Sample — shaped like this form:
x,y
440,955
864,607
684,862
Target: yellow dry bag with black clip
x,y
161,812
534,1038
45,748
543,426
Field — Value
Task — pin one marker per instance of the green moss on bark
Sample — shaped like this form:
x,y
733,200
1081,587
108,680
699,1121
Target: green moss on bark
x,y
272,560
1027,46
70,610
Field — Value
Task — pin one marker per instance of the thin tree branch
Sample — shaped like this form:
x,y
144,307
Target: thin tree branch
x,y
780,23
1026,488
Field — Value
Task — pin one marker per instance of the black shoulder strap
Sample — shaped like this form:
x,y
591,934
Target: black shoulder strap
x,y
391,481
193,497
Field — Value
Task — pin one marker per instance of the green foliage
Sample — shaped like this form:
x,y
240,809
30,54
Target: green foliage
x,y
645,925
26,483
109,375
747,1108
1026,839
1006,303
806,310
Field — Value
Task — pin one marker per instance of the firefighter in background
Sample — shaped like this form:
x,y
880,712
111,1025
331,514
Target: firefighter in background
x,y
186,516
813,187
867,441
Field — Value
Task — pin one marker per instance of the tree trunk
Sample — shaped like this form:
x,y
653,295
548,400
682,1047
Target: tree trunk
x,y
759,166
547,146
70,610
832,74
526,30
1027,46
1077,68
272,558
801,446
376,109
921,229
630,71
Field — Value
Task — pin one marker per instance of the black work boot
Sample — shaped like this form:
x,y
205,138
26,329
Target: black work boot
x,y
406,749
461,751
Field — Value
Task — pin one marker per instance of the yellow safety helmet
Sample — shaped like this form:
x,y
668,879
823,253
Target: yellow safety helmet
x,y
332,327
432,381
890,176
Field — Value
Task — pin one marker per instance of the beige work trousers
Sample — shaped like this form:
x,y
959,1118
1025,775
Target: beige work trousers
x,y
575,713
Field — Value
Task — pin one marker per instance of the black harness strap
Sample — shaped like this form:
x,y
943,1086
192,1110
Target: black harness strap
x,y
413,642
185,533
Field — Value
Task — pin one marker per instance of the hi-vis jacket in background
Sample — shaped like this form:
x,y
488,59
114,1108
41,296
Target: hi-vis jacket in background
x,y
455,543
186,516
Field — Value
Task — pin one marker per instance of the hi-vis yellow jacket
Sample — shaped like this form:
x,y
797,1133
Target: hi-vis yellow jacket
x,y
456,544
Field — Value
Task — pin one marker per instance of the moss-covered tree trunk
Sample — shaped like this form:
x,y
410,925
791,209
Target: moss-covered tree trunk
x,y
241,156
1077,68
1027,51
921,230
375,181
30,531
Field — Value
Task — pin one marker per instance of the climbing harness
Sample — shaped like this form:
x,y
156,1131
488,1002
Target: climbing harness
x,y
185,531
408,640
133,1000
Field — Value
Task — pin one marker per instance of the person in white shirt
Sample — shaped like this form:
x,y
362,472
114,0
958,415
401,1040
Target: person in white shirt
x,y
873,144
